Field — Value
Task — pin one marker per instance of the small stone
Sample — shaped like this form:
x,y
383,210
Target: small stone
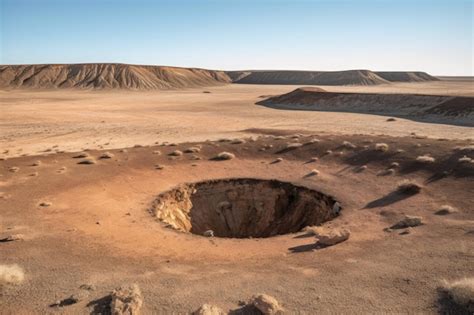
x,y
45,204
330,237
208,309
266,304
407,221
208,233
106,155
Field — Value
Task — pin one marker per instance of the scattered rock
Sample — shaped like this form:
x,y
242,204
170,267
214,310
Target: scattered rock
x,y
34,174
192,150
348,145
445,210
37,163
14,169
157,152
106,155
12,238
159,167
126,300
88,161
425,159
407,221
81,155
176,153
238,141
224,156
208,233
333,236
391,119
381,147
408,187
266,304
208,309
45,204
314,172
277,160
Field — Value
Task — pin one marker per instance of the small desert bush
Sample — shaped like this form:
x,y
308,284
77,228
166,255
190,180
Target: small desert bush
x,y
381,147
425,159
224,156
11,274
461,292
408,187
126,300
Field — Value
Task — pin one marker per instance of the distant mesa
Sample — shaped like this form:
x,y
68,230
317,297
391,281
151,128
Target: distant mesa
x,y
348,77
137,77
107,76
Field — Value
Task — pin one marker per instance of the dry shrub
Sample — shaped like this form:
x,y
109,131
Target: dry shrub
x,y
126,300
425,159
461,292
408,187
224,156
11,274
381,147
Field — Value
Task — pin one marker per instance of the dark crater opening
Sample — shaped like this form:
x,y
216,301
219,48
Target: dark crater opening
x,y
243,208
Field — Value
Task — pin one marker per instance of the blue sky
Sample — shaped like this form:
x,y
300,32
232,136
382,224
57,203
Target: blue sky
x,y
433,36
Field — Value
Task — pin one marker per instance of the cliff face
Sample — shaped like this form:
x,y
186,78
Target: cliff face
x,y
107,76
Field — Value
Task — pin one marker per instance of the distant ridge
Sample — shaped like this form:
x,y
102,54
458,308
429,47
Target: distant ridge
x,y
348,77
107,76
403,76
139,77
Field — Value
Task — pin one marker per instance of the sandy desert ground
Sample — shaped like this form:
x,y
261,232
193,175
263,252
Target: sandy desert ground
x,y
84,229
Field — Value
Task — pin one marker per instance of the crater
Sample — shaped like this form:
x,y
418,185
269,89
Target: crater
x,y
243,208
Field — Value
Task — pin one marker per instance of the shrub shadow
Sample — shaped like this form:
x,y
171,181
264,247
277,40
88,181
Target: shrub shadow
x,y
389,199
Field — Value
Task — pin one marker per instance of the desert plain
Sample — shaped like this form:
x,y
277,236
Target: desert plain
x,y
82,172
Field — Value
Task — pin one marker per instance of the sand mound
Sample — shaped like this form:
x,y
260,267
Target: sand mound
x,y
107,76
432,108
